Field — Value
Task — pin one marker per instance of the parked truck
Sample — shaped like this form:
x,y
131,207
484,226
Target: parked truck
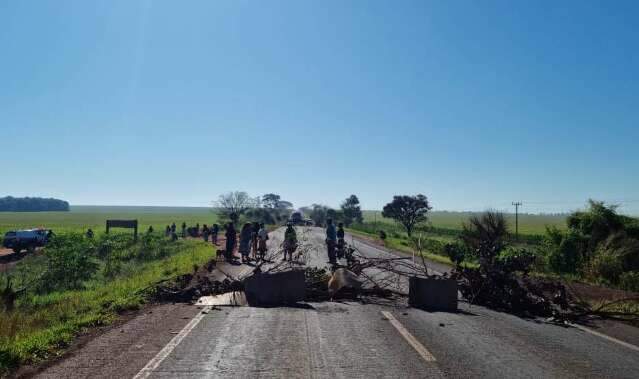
x,y
29,239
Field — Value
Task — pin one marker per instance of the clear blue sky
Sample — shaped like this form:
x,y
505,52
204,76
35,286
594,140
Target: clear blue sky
x,y
474,104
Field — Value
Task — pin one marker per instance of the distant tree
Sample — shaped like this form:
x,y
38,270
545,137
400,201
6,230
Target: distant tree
x,y
271,200
407,210
263,215
283,204
351,212
273,210
32,204
318,214
233,205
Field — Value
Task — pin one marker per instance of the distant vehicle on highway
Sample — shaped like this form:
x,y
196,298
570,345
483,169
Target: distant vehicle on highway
x,y
297,219
19,240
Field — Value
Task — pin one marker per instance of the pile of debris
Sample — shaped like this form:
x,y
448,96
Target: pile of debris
x,y
190,287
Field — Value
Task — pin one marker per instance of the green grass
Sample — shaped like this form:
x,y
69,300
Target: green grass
x,y
528,224
81,218
402,245
41,326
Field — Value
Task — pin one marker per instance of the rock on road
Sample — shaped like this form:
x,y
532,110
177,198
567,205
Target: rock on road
x,y
354,340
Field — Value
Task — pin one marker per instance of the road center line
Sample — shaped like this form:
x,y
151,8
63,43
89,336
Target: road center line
x,y
421,350
161,356
611,339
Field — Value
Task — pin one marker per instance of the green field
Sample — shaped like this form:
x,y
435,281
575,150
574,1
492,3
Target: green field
x,y
94,217
48,316
528,224
82,217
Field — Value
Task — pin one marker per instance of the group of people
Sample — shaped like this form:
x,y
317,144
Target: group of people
x,y
335,241
205,232
252,241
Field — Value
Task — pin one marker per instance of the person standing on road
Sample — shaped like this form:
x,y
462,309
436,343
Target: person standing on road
x,y
214,231
245,242
262,235
331,241
231,235
341,244
290,241
255,228
205,233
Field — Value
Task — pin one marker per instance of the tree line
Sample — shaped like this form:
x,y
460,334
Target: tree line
x,y
32,204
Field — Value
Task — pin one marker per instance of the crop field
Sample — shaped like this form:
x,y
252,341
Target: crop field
x,y
81,218
77,283
528,223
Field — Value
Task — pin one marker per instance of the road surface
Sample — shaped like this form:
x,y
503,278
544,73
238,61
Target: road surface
x,y
353,340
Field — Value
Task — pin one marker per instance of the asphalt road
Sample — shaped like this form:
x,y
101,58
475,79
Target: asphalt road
x,y
349,339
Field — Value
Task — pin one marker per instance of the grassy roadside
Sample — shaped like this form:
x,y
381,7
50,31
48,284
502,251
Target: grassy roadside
x,y
41,326
402,245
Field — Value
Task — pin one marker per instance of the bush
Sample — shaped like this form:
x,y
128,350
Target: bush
x,y
516,259
382,235
629,281
457,252
563,253
607,266
71,261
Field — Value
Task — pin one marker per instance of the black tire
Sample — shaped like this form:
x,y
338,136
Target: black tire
x,y
31,249
17,250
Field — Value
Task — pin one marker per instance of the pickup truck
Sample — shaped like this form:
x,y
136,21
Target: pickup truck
x,y
18,240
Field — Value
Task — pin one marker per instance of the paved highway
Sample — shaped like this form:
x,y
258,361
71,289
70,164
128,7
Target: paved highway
x,y
349,339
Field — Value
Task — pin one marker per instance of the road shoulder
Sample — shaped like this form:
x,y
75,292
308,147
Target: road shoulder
x,y
121,349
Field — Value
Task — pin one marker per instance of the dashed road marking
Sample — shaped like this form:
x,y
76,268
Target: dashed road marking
x,y
611,339
161,356
421,349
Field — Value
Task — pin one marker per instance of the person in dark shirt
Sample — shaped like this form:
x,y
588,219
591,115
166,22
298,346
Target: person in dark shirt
x,y
341,244
255,229
331,241
214,231
231,236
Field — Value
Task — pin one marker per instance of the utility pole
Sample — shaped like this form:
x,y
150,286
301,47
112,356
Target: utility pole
x,y
517,204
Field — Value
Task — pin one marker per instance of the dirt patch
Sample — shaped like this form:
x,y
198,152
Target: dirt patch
x,y
589,292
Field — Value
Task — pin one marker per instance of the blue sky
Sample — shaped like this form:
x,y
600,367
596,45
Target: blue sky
x,y
474,104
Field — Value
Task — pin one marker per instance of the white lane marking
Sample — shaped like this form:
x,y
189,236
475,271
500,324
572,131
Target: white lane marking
x,y
611,339
161,356
421,350
391,253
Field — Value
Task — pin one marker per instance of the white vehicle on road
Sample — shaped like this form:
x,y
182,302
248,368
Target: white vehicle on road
x,y
19,240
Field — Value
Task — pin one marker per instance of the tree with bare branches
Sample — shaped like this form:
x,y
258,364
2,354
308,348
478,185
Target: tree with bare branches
x,y
233,205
